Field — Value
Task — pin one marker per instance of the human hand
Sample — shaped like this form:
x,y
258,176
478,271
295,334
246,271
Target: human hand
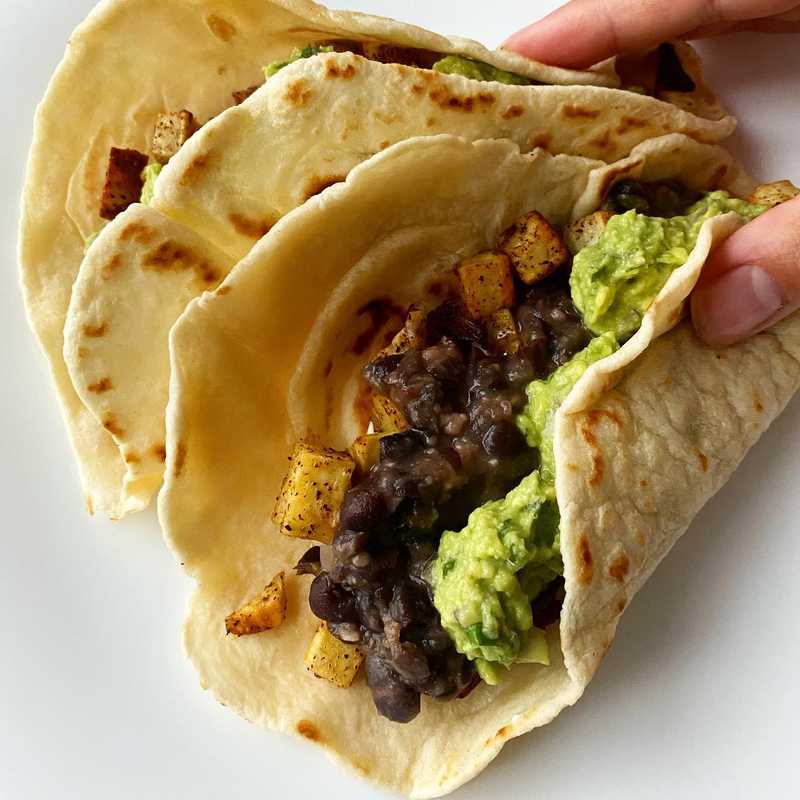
x,y
753,279
583,32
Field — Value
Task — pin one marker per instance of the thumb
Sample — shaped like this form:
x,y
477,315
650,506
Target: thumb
x,y
751,280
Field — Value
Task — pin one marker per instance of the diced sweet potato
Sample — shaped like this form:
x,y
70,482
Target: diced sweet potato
x,y
487,283
586,230
123,184
502,330
332,659
411,335
773,194
313,492
262,613
171,132
386,416
366,451
535,248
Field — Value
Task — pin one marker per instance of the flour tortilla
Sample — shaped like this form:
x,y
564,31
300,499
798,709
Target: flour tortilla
x,y
305,129
132,59
253,356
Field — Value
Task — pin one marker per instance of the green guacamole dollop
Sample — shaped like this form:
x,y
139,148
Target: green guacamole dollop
x,y
614,281
298,54
479,71
486,575
149,175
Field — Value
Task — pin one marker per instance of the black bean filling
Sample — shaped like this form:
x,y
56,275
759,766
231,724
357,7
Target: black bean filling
x,y
460,397
662,199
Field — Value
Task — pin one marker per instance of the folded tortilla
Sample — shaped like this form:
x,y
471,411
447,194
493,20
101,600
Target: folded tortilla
x,y
304,130
643,440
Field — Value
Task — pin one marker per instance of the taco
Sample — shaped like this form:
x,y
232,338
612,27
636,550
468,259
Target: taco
x,y
489,446
343,87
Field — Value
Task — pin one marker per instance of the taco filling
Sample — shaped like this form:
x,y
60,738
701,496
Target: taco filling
x,y
444,566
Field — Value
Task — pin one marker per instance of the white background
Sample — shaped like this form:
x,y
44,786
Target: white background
x,y
698,698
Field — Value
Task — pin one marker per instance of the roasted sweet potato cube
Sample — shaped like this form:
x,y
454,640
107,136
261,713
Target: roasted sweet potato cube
x,y
261,613
502,330
487,283
313,492
586,230
535,248
386,416
411,335
171,132
242,94
332,659
773,194
366,451
123,185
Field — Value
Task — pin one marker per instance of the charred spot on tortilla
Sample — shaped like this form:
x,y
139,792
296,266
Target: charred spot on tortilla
x,y
758,406
249,227
111,424
585,561
379,313
131,457
513,111
298,93
309,730
160,452
223,290
101,386
111,266
444,98
573,111
123,182
241,95
319,184
702,459
180,459
541,140
598,464
630,123
137,231
333,70
621,605
220,27
95,331
194,169
618,569
172,130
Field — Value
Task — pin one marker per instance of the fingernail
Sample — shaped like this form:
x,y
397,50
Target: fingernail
x,y
736,305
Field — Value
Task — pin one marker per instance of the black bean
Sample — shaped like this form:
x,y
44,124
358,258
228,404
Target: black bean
x,y
401,445
393,698
310,563
376,372
329,601
503,439
363,508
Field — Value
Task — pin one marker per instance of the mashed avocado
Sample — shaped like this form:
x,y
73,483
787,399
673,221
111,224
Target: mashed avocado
x,y
478,71
614,281
544,398
149,175
486,575
297,54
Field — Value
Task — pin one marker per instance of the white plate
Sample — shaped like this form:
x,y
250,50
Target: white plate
x,y
698,698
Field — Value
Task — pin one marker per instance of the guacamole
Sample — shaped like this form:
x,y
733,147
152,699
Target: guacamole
x,y
614,281
479,71
297,54
149,175
486,575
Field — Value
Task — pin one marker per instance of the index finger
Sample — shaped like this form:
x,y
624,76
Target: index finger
x,y
584,32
